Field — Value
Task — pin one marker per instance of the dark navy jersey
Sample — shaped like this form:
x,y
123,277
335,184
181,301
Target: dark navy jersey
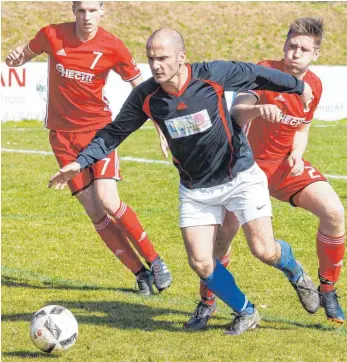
x,y
207,146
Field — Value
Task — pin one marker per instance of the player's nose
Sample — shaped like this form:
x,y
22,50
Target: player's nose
x,y
297,53
87,15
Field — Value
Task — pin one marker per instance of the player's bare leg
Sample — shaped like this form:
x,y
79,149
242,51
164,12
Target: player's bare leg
x,y
127,220
222,249
114,239
278,253
199,243
320,199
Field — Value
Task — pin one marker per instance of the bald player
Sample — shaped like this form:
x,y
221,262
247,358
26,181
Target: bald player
x,y
215,164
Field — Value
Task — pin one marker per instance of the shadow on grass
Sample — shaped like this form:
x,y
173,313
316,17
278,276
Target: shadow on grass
x,y
125,315
58,284
133,316
116,314
26,354
317,326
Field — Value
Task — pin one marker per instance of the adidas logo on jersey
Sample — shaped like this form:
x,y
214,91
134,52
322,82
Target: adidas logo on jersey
x,y
280,98
61,52
181,106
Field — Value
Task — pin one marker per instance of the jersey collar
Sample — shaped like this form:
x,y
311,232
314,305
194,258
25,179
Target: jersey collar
x,y
185,85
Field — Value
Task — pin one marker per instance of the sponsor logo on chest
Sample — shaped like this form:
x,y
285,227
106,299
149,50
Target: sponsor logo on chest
x,y
188,125
82,77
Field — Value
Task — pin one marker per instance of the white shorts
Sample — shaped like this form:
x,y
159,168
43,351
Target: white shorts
x,y
247,196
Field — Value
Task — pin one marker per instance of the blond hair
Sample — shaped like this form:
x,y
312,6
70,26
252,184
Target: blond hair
x,y
308,26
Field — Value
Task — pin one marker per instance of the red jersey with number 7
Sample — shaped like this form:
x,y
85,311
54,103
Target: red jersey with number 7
x,y
273,141
77,75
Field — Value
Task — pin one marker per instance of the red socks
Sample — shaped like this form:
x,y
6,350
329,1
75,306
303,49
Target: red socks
x,y
118,243
206,295
127,220
330,250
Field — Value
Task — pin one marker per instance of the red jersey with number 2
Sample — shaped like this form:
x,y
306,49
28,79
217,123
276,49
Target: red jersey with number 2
x,y
273,141
77,75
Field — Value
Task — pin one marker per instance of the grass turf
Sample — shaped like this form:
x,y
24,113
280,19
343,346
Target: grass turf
x,y
52,255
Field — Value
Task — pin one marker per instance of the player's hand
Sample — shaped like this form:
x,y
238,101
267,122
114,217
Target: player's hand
x,y
64,175
270,112
307,97
16,57
296,164
164,145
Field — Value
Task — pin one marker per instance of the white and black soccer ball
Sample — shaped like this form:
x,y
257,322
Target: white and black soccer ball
x,y
53,329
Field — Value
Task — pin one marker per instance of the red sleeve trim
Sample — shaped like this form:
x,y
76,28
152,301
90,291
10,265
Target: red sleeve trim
x,y
133,78
31,50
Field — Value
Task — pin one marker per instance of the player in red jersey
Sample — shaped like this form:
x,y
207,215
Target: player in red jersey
x,y
81,55
277,128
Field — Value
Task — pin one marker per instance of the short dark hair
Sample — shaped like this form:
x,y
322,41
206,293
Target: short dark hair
x,y
308,26
74,3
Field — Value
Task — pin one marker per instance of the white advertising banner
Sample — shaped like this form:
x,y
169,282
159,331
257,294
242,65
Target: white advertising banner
x,y
24,91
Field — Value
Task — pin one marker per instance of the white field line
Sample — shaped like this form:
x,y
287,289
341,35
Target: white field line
x,y
338,177
125,158
133,159
45,129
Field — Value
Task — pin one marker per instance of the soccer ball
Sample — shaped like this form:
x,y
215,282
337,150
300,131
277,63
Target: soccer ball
x,y
53,329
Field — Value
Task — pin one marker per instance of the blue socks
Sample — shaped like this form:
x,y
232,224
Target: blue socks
x,y
222,284
288,265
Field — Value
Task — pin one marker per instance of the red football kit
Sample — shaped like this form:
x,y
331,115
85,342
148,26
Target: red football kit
x,y
77,106
271,143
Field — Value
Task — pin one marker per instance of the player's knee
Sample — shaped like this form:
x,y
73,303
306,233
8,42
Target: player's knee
x,y
202,267
92,208
334,215
95,214
110,205
266,253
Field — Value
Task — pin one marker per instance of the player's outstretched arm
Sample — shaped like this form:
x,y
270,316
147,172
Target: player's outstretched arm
x,y
245,109
64,175
163,142
19,56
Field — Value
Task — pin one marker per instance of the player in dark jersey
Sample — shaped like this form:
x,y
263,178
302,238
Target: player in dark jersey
x,y
215,164
277,129
81,55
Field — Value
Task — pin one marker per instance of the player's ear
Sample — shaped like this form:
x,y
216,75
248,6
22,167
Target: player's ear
x,y
316,54
284,46
182,56
102,8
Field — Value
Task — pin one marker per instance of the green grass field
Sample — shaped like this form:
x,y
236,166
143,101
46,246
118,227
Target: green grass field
x,y
242,30
52,255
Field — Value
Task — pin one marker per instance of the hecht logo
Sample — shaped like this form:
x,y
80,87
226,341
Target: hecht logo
x,y
83,77
291,121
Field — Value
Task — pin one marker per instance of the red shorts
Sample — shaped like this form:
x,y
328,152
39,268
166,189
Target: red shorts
x,y
67,145
282,185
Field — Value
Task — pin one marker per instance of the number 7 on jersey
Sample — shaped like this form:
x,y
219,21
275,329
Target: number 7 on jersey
x,y
98,56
